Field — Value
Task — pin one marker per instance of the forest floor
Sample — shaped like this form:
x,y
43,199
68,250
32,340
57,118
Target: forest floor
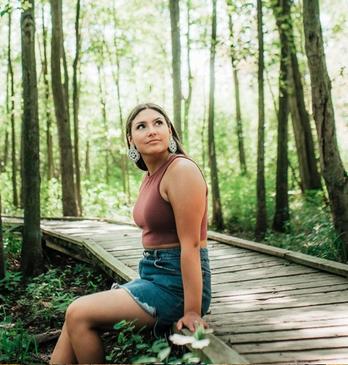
x,y
38,306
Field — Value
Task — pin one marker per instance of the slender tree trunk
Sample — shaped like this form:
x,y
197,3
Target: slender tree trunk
x,y
76,104
66,79
2,252
281,215
176,63
65,146
49,139
239,129
310,177
336,178
261,212
189,79
105,124
32,257
87,164
217,209
12,116
124,159
5,156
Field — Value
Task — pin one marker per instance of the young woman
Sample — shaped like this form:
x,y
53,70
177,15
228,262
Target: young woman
x,y
171,209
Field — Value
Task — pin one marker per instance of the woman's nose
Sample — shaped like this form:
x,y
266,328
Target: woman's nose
x,y
152,130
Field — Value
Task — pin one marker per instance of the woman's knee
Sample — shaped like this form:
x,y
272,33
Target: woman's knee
x,y
76,315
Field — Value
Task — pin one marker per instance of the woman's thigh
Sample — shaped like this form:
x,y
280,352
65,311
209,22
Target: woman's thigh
x,y
103,309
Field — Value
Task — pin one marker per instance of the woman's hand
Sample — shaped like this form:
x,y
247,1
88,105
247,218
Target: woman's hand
x,y
191,320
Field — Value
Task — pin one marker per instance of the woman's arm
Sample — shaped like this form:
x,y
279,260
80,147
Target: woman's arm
x,y
186,191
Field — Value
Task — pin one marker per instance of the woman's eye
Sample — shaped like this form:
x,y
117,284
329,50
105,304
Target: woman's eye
x,y
159,122
140,125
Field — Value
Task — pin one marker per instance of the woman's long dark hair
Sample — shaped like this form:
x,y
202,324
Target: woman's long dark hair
x,y
157,108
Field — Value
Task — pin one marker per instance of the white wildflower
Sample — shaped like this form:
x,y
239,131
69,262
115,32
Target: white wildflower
x,y
199,344
181,339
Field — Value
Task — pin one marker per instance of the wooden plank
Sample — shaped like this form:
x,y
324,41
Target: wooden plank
x,y
260,292
110,261
294,334
269,282
245,328
259,274
311,261
61,249
298,345
323,356
282,314
227,308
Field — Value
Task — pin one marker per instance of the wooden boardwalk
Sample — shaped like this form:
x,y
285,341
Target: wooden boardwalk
x,y
269,306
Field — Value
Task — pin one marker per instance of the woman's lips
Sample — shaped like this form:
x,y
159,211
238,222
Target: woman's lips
x,y
154,141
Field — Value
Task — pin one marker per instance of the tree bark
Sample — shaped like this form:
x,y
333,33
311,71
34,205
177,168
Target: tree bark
x,y
187,100
49,143
11,110
310,177
76,104
335,176
217,210
65,146
239,122
102,101
31,256
124,159
261,212
281,215
176,63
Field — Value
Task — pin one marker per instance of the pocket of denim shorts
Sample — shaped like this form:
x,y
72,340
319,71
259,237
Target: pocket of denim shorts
x,y
165,265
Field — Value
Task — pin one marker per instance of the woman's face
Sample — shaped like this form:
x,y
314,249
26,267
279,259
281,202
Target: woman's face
x,y
150,132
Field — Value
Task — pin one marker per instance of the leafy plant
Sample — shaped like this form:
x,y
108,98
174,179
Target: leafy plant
x,y
15,343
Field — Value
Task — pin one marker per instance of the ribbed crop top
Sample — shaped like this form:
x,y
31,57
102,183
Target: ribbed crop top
x,y
154,214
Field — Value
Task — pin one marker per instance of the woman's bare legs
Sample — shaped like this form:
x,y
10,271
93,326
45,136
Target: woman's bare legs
x,y
79,340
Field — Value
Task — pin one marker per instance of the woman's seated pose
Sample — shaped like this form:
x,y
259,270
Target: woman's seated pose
x,y
174,274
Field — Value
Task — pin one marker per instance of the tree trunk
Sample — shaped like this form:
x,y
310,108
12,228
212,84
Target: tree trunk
x,y
281,9
176,63
124,159
11,109
76,104
336,178
217,210
261,212
102,101
31,256
87,164
187,100
239,129
310,177
2,252
5,156
49,144
66,156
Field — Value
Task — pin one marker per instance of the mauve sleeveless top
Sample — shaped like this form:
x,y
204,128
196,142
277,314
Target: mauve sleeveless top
x,y
154,214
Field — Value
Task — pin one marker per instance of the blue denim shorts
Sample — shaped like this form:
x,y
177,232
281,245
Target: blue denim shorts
x,y
159,290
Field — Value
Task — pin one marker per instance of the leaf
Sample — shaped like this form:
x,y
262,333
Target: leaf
x,y
119,325
159,345
163,354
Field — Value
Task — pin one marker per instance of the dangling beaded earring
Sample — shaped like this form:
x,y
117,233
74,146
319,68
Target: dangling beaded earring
x,y
133,153
172,145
